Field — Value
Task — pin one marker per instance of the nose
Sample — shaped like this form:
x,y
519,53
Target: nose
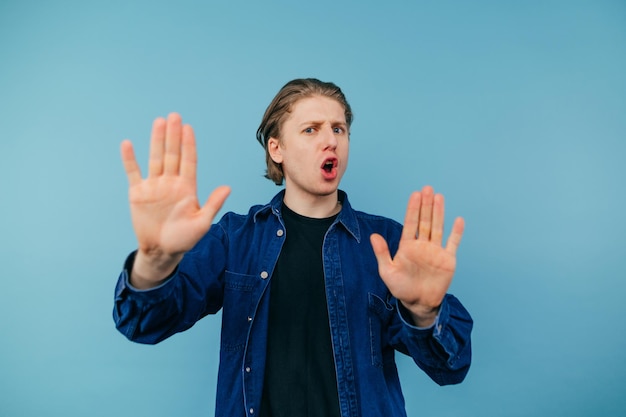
x,y
329,138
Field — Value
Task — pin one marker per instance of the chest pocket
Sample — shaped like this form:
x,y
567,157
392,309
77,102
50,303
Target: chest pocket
x,y
237,309
380,315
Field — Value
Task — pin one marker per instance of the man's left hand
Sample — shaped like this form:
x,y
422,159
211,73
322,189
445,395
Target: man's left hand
x,y
421,271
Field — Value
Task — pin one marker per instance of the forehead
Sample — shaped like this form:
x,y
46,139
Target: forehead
x,y
317,108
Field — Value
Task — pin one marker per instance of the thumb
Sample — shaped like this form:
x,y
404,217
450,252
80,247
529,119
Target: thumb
x,y
214,203
381,251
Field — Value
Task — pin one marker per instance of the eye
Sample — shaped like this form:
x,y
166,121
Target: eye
x,y
338,130
309,130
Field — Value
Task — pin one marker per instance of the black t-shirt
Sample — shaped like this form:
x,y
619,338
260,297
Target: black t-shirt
x,y
300,378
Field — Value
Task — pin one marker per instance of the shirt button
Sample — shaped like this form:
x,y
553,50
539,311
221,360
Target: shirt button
x,y
249,318
248,369
264,274
279,232
252,411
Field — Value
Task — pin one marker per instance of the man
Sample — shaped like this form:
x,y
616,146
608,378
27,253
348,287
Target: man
x,y
314,306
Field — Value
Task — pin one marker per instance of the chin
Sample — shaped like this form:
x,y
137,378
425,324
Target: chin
x,y
329,189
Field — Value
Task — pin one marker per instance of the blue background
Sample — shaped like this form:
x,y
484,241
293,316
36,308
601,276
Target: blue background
x,y
516,111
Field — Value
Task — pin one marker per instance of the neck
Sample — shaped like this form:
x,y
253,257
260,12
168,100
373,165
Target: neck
x,y
317,207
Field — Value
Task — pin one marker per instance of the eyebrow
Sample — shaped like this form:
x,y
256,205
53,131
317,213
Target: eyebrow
x,y
321,122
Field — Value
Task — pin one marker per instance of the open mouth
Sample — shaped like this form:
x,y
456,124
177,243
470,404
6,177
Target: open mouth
x,y
329,165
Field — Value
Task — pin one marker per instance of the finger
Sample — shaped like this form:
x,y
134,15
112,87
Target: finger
x,y
455,236
214,203
381,251
157,141
426,213
412,216
436,234
188,158
173,134
133,173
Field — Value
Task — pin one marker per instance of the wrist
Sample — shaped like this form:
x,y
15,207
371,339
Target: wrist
x,y
151,269
422,316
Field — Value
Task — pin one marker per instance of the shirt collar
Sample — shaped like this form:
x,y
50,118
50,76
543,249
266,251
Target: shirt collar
x,y
347,216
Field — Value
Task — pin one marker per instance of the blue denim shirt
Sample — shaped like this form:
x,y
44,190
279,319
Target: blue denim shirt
x,y
231,268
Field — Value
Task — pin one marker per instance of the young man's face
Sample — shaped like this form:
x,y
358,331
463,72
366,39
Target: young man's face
x,y
313,149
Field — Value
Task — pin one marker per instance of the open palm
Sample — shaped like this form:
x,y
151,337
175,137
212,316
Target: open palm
x,y
166,215
421,271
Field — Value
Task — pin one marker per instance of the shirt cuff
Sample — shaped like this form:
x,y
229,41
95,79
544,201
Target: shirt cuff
x,y
436,327
151,294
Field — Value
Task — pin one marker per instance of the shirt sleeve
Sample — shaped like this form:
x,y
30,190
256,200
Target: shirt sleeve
x,y
442,350
194,290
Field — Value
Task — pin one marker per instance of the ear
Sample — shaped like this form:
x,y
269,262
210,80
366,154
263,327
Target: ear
x,y
273,147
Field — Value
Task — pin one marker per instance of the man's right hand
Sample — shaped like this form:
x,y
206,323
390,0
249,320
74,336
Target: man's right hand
x,y
165,210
